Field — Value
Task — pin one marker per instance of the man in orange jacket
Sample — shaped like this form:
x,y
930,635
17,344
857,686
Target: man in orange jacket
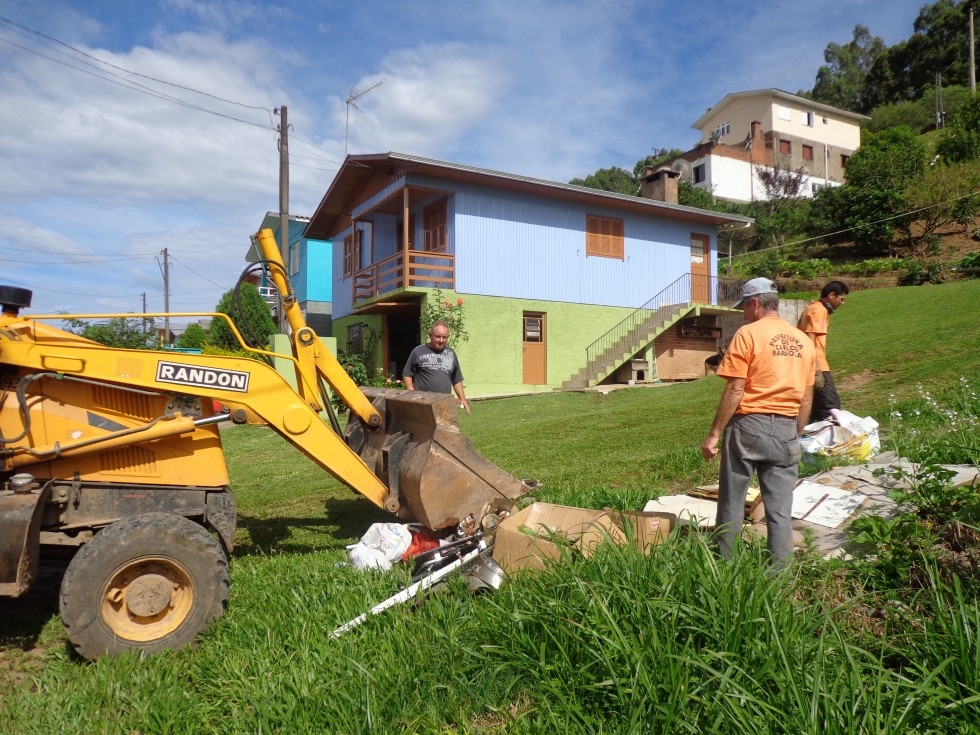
x,y
770,367
815,322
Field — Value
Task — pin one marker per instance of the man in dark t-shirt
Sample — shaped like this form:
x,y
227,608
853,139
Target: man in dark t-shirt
x,y
435,367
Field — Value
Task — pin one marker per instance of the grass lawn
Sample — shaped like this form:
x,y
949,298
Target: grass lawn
x,y
619,643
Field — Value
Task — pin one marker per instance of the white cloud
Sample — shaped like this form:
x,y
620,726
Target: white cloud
x,y
548,88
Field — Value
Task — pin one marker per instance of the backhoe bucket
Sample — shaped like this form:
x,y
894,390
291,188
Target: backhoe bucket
x,y
434,474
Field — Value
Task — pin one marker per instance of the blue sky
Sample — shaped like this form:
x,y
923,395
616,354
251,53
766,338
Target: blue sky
x,y
102,165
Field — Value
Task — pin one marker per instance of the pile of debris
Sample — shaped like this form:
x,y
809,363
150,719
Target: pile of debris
x,y
511,539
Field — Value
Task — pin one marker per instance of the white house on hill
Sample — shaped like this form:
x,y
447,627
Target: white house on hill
x,y
749,131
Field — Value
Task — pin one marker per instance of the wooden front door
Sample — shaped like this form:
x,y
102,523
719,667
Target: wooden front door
x,y
535,349
700,283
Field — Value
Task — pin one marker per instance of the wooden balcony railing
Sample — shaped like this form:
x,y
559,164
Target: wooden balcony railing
x,y
425,270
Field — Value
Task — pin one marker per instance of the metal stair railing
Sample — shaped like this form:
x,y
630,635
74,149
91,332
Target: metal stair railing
x,y
631,334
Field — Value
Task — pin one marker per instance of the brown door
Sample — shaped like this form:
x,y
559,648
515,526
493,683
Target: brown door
x,y
700,284
535,349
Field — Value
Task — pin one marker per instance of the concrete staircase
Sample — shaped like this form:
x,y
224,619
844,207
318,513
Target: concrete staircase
x,y
638,330
626,345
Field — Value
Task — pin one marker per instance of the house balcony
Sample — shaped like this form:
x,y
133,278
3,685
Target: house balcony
x,y
425,270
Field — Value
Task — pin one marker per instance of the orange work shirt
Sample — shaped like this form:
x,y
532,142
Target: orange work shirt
x,y
815,319
778,362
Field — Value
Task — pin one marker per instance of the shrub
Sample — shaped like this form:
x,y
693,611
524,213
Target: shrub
x,y
919,274
438,308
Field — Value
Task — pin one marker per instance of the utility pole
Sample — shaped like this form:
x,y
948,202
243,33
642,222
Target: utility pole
x,y
165,270
973,61
166,297
940,111
283,208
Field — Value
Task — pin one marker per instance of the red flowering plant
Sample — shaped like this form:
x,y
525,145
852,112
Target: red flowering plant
x,y
439,308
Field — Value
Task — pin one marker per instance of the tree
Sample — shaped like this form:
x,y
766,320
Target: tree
x,y
619,181
841,81
920,115
961,141
251,315
888,161
193,337
614,179
939,45
694,196
138,333
781,184
944,196
659,155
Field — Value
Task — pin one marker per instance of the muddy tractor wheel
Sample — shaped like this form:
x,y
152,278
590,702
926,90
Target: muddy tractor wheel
x,y
146,583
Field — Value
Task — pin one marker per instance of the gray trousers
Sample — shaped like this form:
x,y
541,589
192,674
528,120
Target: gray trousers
x,y
768,445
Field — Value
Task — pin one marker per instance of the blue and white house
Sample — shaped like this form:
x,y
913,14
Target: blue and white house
x,y
560,285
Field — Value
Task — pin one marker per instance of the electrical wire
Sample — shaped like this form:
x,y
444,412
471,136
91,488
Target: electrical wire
x,y
136,87
174,258
100,260
851,229
130,71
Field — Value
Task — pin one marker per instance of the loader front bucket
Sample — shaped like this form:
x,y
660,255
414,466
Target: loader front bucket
x,y
434,474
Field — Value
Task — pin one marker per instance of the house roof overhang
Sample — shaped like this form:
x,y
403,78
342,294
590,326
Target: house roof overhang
x,y
348,189
779,95
272,221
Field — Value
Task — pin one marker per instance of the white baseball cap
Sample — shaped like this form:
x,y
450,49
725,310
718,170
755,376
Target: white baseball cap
x,y
755,287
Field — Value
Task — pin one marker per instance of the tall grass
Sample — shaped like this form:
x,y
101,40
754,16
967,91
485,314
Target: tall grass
x,y
620,643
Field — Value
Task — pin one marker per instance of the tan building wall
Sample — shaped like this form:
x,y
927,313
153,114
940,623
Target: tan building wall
x,y
782,113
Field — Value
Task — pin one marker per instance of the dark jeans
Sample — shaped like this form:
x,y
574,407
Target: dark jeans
x,y
824,399
767,445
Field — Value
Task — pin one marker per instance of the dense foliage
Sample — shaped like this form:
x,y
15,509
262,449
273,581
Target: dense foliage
x,y
193,337
865,73
138,333
251,315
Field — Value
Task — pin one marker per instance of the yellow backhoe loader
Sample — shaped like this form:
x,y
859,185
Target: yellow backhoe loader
x,y
114,455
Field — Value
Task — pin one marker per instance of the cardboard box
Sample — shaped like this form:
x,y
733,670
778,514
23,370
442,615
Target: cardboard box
x,y
645,528
531,536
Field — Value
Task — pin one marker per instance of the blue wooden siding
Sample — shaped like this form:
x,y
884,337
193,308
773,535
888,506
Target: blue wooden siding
x,y
516,245
509,244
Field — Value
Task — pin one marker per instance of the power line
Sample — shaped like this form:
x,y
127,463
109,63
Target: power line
x,y
98,261
41,251
851,229
32,287
128,84
174,258
136,87
130,71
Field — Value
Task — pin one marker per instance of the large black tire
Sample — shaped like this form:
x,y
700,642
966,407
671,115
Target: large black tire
x,y
146,583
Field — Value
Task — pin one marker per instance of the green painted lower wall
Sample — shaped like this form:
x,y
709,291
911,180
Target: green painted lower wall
x,y
493,357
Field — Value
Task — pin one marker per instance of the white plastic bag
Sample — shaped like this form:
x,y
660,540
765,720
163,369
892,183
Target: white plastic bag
x,y
381,546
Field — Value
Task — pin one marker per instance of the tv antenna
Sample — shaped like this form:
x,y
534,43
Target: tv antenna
x,y
351,102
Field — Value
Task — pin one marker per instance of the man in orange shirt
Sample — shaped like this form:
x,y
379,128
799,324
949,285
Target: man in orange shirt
x,y
814,322
770,367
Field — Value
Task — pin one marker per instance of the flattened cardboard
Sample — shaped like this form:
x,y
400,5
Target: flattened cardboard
x,y
689,511
525,539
